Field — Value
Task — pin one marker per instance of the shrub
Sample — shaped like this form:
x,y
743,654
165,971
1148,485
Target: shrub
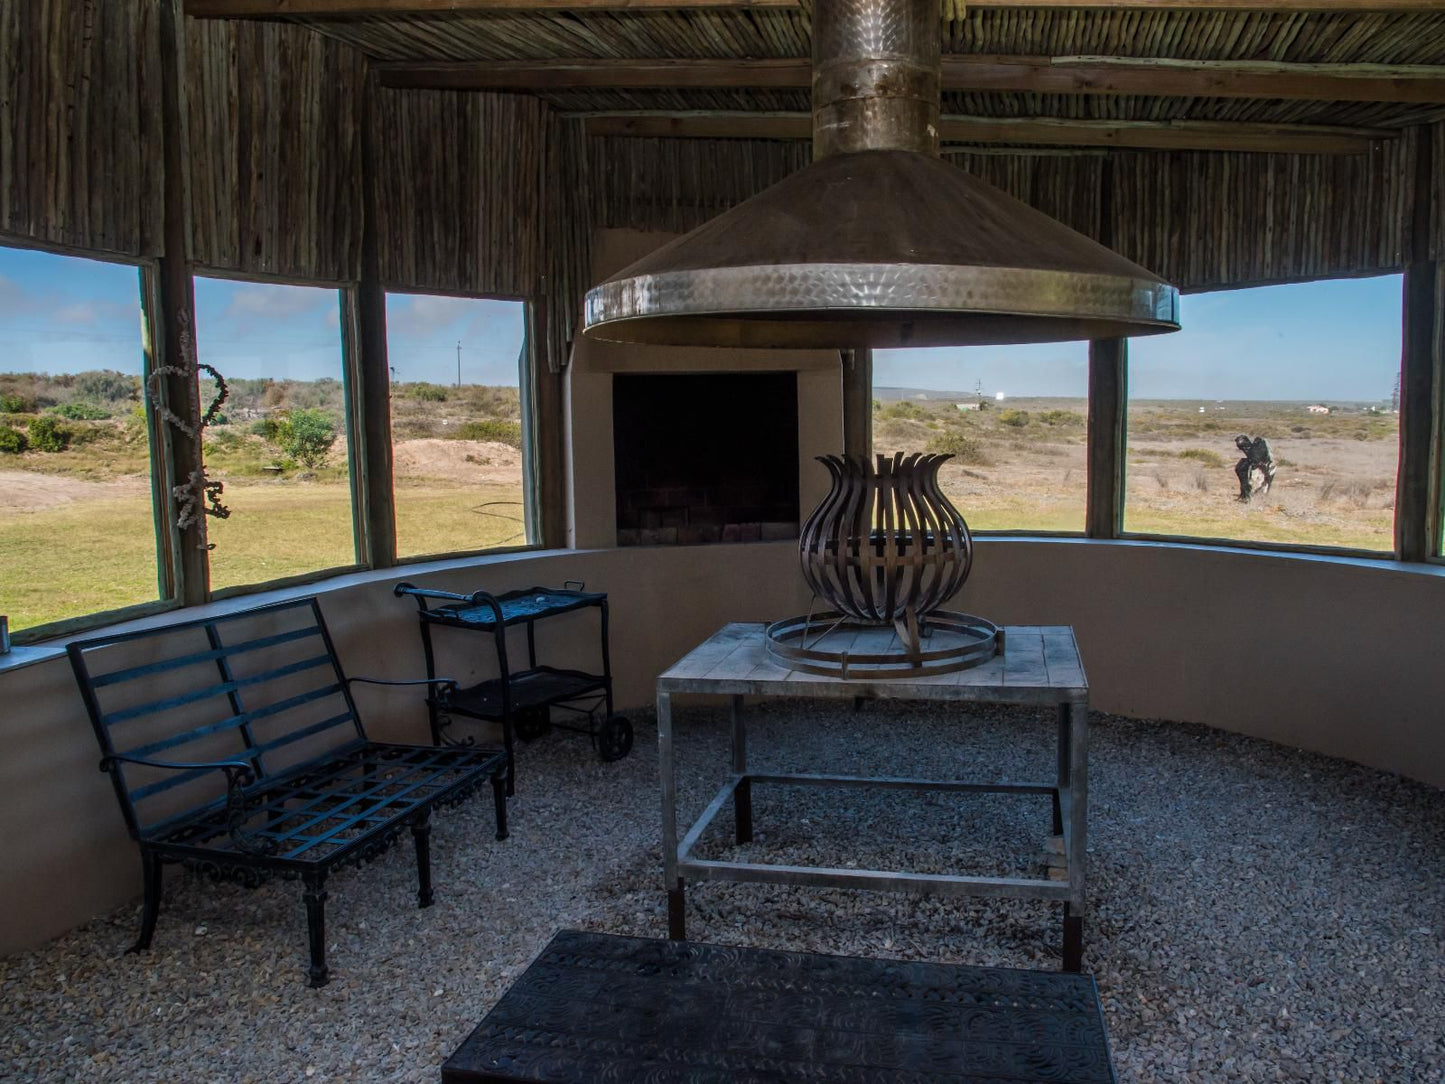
x,y
1067,418
13,404
498,430
106,386
963,448
902,409
269,428
1206,456
429,393
306,436
48,435
1016,418
81,412
12,441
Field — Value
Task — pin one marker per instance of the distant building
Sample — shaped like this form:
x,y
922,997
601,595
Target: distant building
x,y
1318,409
968,406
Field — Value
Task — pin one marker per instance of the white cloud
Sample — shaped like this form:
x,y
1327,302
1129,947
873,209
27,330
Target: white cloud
x,y
278,302
423,314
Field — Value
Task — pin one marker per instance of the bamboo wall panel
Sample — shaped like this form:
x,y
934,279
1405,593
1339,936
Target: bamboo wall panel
x,y
461,191
79,144
1437,211
567,235
676,184
1202,220
274,114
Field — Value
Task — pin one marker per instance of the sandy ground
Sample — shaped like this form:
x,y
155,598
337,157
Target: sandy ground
x,y
24,491
467,462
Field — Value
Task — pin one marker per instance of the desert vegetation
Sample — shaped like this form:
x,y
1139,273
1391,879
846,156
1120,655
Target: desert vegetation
x,y
76,526
1020,465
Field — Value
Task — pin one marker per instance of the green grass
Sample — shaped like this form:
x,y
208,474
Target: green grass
x,y
100,555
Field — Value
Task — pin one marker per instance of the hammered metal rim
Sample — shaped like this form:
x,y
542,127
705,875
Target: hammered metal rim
x,y
853,288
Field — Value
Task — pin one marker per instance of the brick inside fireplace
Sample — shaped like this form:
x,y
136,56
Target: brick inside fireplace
x,y
709,457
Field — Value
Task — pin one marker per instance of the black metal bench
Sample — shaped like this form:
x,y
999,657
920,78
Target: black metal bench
x,y
235,748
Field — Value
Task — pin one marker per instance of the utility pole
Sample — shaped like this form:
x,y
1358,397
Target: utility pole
x,y
459,363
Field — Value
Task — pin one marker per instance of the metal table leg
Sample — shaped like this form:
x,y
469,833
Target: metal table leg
x,y
743,792
676,898
1077,836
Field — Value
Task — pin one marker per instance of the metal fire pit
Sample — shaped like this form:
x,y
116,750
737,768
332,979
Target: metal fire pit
x,y
835,645
884,550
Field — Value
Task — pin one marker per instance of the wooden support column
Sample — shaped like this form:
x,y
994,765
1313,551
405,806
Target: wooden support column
x,y
371,366
549,462
176,315
858,402
1108,406
1417,489
1108,410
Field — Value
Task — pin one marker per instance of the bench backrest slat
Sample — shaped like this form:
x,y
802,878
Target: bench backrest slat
x,y
228,688
214,652
220,688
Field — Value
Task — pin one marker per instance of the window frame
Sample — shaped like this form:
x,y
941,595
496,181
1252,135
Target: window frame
x,y
1286,548
157,451
351,391
526,390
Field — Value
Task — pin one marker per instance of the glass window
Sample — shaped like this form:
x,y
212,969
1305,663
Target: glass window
x,y
1284,395
457,423
1014,417
77,530
280,443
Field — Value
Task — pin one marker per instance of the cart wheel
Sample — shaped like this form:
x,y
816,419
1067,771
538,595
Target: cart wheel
x,y
532,723
614,738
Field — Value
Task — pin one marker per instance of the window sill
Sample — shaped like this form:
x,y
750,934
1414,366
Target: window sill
x,y
23,655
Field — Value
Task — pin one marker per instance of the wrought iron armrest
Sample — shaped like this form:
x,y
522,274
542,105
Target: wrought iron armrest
x,y
448,685
239,776
238,772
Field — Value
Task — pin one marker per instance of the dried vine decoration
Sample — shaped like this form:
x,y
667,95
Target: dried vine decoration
x,y
198,496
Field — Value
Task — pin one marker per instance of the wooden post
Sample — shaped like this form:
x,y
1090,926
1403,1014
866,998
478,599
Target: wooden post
x,y
549,468
371,364
1417,496
1108,411
1108,406
176,315
858,402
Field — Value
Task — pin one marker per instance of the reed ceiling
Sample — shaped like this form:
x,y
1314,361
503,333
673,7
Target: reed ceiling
x,y
1400,38
1295,37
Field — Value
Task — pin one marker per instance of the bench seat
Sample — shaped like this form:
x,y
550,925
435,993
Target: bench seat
x,y
236,749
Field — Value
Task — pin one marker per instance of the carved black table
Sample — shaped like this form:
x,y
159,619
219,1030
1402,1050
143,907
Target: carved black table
x,y
594,1007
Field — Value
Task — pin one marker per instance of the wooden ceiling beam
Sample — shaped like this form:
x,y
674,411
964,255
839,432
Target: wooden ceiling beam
x,y
1089,75
1042,131
236,9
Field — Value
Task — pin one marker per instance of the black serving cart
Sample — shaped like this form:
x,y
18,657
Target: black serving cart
x,y
521,700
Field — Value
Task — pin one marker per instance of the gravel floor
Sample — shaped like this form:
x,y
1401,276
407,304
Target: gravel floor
x,y
1258,913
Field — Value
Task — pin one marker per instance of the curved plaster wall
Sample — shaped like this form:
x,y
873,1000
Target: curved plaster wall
x,y
1338,656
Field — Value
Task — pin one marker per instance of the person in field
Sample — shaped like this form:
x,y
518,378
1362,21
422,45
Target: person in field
x,y
1255,456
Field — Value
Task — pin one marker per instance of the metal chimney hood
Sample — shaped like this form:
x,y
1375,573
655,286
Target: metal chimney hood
x,y
879,242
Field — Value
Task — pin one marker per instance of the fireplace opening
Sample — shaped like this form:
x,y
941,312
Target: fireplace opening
x,y
709,457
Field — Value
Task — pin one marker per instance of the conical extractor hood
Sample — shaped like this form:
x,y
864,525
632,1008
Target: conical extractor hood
x,y
879,242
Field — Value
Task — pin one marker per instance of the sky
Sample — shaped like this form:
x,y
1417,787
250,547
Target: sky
x,y
1320,340
1336,340
62,314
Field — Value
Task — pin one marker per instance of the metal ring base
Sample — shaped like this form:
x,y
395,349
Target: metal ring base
x,y
956,641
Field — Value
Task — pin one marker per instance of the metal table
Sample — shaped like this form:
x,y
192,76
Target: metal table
x,y
1040,665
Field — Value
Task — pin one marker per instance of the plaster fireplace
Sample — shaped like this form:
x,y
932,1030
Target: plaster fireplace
x,y
720,425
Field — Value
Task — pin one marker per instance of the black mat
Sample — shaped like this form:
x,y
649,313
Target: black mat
x,y
595,1007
